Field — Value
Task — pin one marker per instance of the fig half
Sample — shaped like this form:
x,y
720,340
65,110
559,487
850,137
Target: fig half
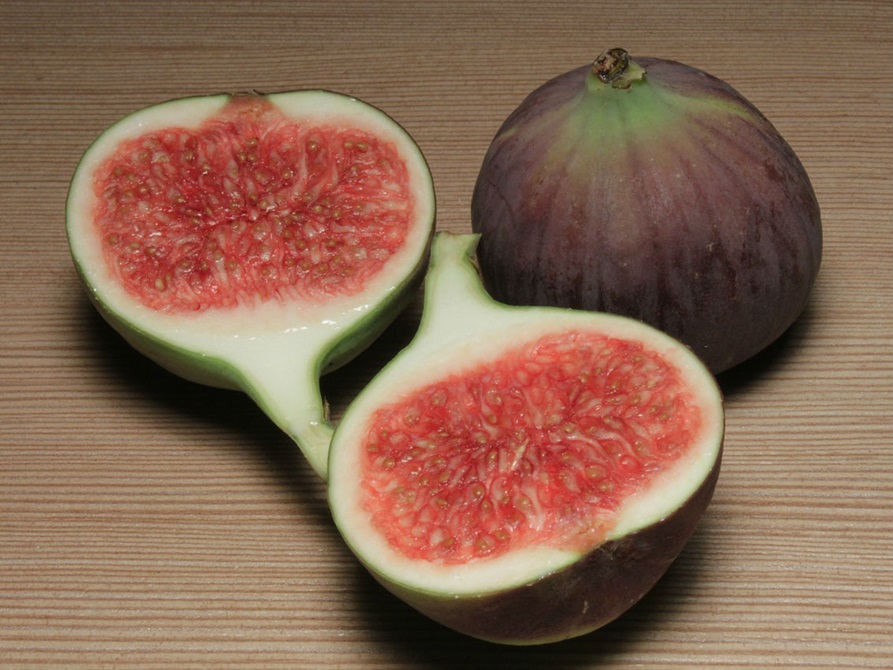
x,y
524,474
254,242
651,189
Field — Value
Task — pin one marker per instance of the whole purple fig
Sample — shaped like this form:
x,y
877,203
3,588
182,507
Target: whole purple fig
x,y
651,189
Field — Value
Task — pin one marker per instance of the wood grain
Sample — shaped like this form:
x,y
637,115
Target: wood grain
x,y
149,522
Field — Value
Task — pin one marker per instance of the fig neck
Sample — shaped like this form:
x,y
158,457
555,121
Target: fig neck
x,y
455,298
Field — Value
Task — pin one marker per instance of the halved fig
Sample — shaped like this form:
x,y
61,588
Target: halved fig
x,y
524,474
253,242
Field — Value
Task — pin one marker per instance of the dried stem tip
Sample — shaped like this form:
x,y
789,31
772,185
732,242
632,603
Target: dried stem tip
x,y
615,68
611,64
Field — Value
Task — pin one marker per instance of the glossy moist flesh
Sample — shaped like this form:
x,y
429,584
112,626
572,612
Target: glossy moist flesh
x,y
536,448
250,206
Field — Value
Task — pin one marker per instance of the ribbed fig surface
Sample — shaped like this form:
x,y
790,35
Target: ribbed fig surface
x,y
661,194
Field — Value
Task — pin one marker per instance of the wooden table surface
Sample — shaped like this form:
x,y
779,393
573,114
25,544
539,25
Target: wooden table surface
x,y
149,522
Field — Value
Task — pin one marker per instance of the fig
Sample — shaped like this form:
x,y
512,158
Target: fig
x,y
524,475
254,241
519,474
649,188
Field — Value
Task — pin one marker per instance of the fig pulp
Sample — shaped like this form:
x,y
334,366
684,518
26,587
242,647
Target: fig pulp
x,y
524,474
650,189
254,242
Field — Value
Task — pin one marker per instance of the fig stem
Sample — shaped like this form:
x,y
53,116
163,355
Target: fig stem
x,y
615,67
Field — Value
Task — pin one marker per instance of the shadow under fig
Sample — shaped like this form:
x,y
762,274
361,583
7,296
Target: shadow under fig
x,y
751,371
233,412
223,411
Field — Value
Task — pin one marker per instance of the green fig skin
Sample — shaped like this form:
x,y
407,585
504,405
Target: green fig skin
x,y
605,584
669,198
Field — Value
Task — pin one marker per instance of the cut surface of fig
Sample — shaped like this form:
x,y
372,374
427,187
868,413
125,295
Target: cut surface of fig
x,y
648,188
538,447
254,241
252,205
524,475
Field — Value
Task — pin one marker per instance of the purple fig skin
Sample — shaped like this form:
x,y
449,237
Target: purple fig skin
x,y
588,594
672,200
